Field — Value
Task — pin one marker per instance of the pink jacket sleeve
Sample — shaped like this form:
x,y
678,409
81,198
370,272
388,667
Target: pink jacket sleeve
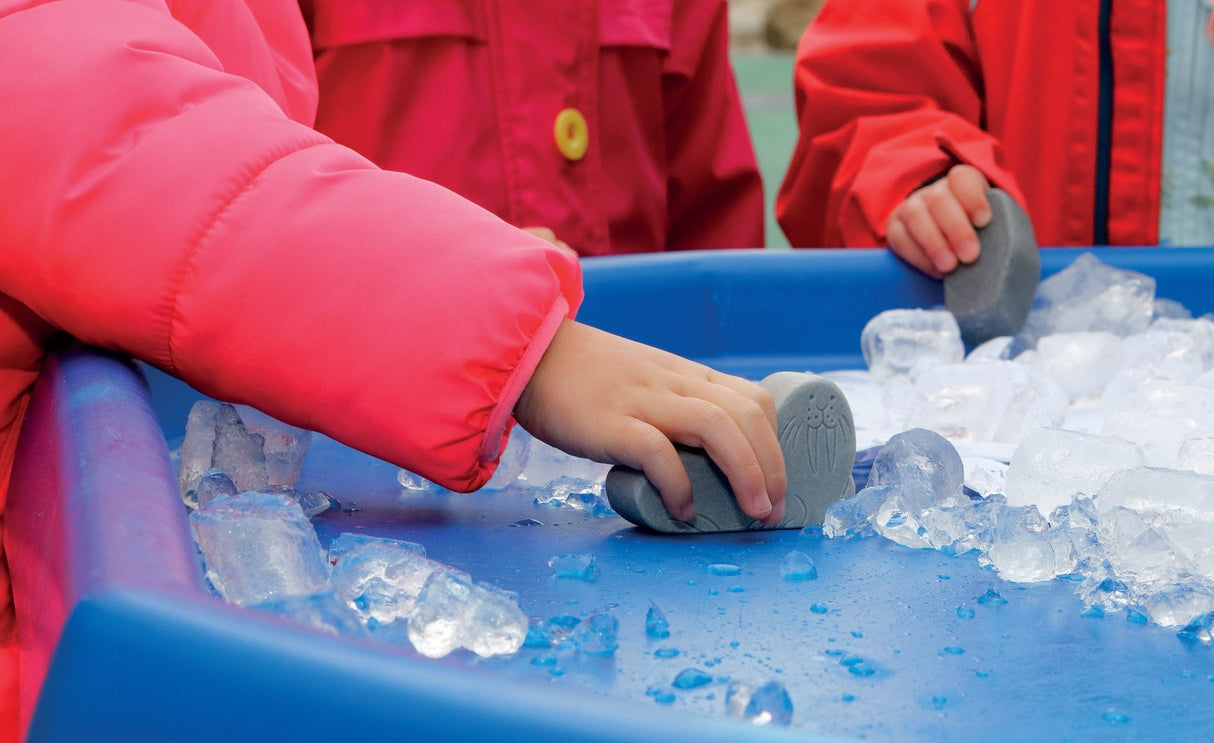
x,y
888,98
158,206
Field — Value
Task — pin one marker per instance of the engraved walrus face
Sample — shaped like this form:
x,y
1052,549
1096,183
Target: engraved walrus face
x,y
818,437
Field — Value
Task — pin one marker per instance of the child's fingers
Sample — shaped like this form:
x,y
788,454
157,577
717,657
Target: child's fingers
x,y
753,412
642,446
753,391
905,247
969,186
694,421
916,216
953,222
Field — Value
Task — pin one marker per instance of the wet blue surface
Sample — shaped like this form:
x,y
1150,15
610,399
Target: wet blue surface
x,y
887,642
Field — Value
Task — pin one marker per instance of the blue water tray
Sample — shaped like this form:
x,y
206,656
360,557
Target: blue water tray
x,y
886,643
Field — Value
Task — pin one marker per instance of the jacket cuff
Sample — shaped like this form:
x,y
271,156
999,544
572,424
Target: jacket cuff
x,y
501,417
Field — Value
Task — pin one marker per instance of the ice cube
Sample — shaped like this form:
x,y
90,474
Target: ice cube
x,y
984,476
894,341
258,547
1082,363
438,618
1089,295
215,437
922,460
768,704
853,517
381,579
213,483
1197,455
284,445
985,401
547,463
598,634
1020,549
1051,466
494,623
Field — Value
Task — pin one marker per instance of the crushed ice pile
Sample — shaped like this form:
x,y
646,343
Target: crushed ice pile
x,y
1082,448
237,471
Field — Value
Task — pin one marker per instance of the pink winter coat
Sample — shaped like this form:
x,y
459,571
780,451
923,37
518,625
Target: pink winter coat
x,y
165,197
616,124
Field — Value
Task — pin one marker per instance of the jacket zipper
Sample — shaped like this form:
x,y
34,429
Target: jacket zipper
x,y
1104,129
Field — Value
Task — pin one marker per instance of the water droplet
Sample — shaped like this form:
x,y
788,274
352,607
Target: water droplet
x,y
819,608
982,674
965,612
722,568
544,660
850,660
860,670
944,576
713,592
691,678
857,633
666,653
665,697
954,650
848,697
1115,717
939,701
556,671
737,589
733,643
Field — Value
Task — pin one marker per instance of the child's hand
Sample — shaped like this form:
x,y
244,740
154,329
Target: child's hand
x,y
606,398
933,230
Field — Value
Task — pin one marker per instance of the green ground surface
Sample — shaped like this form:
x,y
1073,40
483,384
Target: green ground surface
x,y
765,82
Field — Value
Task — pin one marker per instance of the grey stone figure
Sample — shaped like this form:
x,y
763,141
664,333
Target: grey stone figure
x,y
818,437
991,297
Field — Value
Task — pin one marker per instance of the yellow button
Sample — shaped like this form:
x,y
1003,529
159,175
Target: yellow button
x,y
572,134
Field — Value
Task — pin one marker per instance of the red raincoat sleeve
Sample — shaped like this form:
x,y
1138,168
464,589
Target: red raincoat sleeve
x,y
889,96
714,188
159,206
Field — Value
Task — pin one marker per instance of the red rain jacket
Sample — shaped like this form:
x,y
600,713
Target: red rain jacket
x,y
164,196
467,93
891,93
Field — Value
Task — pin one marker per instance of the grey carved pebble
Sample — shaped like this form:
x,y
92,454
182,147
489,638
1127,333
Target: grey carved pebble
x,y
818,437
991,297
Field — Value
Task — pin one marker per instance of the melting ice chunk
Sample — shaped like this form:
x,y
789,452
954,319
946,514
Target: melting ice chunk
x,y
259,546
895,341
768,704
1051,466
380,578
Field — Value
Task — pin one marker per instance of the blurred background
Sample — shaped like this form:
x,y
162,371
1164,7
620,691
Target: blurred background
x,y
764,39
